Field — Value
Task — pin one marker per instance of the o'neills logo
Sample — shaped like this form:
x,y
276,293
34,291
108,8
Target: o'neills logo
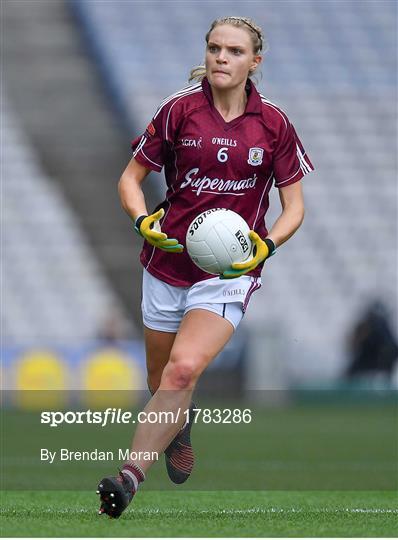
x,y
234,292
217,186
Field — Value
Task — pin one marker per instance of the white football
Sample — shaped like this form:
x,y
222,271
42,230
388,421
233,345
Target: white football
x,y
217,238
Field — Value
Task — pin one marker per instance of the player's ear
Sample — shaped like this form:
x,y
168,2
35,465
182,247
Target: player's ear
x,y
256,62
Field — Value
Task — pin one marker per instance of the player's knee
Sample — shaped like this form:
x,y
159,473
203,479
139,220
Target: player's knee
x,y
179,375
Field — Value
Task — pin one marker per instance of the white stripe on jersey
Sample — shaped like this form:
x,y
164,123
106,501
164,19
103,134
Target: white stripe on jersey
x,y
178,92
167,211
273,106
150,258
306,167
290,177
140,145
184,95
261,199
149,159
175,95
221,193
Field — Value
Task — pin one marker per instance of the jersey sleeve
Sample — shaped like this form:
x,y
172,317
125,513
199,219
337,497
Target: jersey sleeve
x,y
291,161
151,148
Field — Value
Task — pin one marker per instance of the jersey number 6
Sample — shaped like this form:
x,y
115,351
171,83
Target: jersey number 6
x,y
222,154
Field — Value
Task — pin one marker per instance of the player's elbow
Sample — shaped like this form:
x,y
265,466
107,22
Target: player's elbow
x,y
300,215
128,189
299,218
296,213
125,184
123,191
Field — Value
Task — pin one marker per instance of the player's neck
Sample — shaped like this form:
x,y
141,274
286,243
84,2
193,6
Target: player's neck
x,y
230,103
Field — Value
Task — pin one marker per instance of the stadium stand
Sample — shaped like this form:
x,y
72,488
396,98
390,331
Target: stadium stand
x,y
53,289
62,106
331,67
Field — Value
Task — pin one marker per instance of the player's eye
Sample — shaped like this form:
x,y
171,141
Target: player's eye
x,y
237,52
212,48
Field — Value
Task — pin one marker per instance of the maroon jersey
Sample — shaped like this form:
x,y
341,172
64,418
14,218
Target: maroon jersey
x,y
211,163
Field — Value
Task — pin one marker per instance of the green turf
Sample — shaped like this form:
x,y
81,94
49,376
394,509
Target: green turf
x,y
204,513
329,447
312,447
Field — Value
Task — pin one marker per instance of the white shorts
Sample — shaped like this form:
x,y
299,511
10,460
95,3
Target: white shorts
x,y
164,306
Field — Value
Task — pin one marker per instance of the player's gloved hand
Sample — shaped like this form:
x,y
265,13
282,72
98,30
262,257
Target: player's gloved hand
x,y
148,227
262,249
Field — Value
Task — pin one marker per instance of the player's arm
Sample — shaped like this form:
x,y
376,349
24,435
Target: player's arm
x,y
292,215
133,202
130,190
290,219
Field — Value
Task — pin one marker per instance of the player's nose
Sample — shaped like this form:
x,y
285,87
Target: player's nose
x,y
222,57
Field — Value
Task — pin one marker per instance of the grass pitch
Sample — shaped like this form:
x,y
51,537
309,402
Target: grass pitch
x,y
203,513
280,461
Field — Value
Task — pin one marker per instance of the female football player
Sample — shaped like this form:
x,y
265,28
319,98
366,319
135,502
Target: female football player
x,y
222,145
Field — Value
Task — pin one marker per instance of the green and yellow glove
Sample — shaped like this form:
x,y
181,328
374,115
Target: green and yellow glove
x,y
262,249
148,227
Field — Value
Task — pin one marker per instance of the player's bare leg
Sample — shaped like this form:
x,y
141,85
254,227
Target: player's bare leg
x,y
158,347
189,356
179,454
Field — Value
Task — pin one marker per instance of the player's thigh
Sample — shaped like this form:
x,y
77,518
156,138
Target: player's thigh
x,y
158,347
201,336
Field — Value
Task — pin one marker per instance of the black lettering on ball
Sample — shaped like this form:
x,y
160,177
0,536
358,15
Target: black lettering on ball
x,y
242,240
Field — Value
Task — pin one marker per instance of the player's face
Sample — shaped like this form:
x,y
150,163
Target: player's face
x,y
229,56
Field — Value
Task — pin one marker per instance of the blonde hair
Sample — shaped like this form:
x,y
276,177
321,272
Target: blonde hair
x,y
256,34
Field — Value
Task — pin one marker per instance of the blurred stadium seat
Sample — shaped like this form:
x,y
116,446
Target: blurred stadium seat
x,y
53,288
